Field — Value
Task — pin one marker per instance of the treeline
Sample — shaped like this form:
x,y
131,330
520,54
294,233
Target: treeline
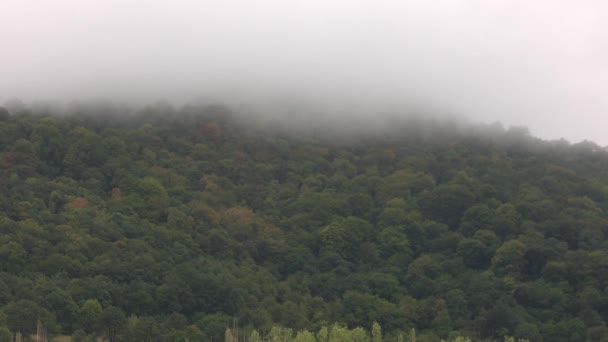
x,y
335,333
171,224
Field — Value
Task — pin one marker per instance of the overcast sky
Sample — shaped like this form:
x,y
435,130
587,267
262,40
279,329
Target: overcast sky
x,y
539,63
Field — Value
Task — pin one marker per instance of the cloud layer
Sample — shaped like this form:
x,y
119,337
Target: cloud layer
x,y
540,63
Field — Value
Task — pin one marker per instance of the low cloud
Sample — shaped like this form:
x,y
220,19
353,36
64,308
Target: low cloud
x,y
543,64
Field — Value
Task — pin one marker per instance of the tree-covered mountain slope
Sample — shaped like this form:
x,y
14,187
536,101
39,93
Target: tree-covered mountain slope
x,y
163,225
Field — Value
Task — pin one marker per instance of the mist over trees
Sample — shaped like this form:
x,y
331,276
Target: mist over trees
x,y
542,64
172,224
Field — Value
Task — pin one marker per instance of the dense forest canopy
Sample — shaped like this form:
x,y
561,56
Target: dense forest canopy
x,y
173,224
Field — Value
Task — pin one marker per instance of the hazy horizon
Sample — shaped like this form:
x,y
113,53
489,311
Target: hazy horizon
x,y
541,64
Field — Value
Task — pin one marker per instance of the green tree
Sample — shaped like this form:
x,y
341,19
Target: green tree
x,y
509,258
228,336
4,114
90,316
22,316
113,321
446,203
5,334
150,199
255,336
79,336
376,332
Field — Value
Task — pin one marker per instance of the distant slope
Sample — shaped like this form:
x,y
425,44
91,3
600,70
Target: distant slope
x,y
169,223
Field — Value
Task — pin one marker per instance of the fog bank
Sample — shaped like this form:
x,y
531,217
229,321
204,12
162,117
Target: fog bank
x,y
543,64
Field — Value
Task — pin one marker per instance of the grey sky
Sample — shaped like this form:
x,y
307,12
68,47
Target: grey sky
x,y
541,63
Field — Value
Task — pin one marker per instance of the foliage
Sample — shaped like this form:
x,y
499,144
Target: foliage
x,y
175,224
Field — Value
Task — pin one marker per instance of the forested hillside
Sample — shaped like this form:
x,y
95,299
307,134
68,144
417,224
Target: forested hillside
x,y
167,225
